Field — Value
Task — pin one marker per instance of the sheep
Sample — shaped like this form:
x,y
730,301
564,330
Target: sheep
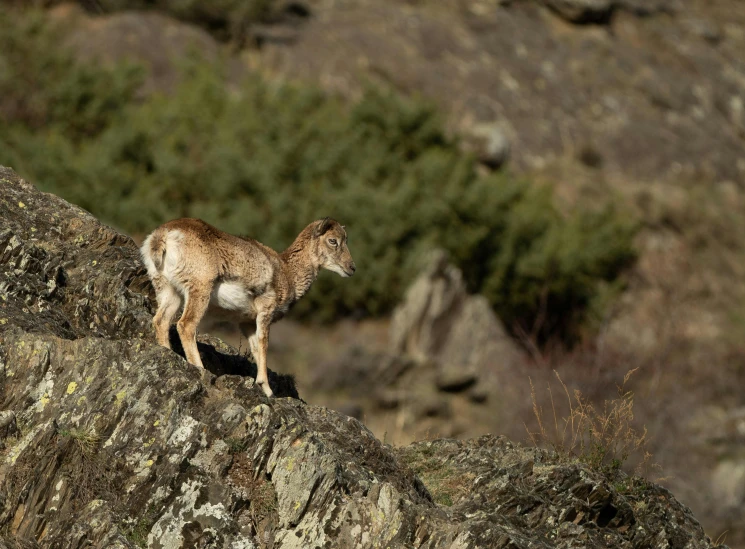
x,y
237,279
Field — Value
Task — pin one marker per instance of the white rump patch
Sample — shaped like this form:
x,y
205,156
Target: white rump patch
x,y
174,261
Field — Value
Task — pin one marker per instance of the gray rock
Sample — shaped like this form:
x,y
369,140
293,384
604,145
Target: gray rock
x,y
582,11
8,425
430,405
387,399
479,395
439,321
455,379
489,143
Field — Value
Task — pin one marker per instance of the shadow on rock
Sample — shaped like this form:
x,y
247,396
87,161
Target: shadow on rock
x,y
220,359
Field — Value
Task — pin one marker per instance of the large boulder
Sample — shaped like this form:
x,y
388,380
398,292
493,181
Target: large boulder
x,y
113,441
439,320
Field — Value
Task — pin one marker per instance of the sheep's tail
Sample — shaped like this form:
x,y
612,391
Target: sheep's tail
x,y
153,251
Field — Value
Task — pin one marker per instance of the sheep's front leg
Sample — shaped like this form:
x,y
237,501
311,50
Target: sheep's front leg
x,y
259,343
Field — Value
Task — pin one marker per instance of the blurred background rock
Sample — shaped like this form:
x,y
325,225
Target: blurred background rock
x,y
579,165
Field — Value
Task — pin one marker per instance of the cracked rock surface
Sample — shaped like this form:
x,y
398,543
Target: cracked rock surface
x,y
109,440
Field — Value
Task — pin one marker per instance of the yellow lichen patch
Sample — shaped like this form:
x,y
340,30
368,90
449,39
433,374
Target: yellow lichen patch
x,y
71,387
81,400
44,400
89,379
149,442
157,422
3,320
290,464
21,205
149,463
120,395
10,373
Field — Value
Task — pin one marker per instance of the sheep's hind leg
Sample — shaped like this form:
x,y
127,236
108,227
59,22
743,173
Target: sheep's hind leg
x,y
194,309
169,302
247,331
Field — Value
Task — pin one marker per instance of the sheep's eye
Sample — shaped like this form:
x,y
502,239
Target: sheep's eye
x,y
332,241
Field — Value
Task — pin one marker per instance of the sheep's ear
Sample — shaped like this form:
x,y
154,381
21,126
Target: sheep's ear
x,y
323,226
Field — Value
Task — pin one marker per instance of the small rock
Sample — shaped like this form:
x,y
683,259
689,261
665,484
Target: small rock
x,y
8,425
582,11
705,29
387,399
228,382
455,379
728,483
490,144
432,406
478,395
350,409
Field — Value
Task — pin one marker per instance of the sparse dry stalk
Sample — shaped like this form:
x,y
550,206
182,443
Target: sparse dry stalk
x,y
601,437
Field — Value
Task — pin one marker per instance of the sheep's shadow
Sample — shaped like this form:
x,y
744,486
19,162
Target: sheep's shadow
x,y
221,359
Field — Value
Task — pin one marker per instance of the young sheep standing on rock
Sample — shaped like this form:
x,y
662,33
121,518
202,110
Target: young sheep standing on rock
x,y
226,277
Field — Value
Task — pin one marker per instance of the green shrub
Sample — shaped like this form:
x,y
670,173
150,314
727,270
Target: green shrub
x,y
43,89
267,158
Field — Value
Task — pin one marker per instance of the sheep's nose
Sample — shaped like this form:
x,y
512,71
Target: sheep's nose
x,y
353,268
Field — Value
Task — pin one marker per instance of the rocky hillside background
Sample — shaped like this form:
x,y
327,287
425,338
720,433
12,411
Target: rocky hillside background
x,y
109,440
618,119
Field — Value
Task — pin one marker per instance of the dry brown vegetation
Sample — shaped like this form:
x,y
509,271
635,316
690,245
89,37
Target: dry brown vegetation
x,y
601,435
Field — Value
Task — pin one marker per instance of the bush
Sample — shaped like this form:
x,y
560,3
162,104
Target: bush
x,y
43,90
267,158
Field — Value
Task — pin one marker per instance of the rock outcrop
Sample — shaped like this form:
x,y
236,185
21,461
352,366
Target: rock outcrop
x,y
109,440
438,320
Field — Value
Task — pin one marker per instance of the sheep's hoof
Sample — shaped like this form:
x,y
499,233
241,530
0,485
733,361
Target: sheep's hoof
x,y
265,387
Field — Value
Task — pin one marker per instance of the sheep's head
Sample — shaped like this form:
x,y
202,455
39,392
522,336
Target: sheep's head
x,y
331,247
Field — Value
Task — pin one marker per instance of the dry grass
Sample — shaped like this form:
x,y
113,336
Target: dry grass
x,y
86,440
603,437
256,491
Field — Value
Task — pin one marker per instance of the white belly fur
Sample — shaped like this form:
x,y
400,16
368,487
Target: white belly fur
x,y
232,296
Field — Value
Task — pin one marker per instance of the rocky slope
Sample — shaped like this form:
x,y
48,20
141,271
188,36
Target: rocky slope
x,y
109,440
